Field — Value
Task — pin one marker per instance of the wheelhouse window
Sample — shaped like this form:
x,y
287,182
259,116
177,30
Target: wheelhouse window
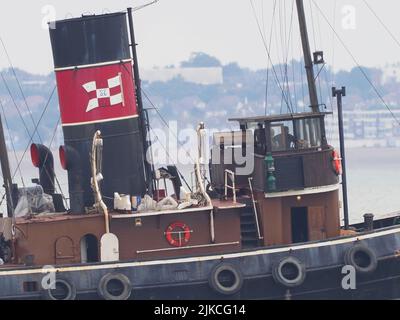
x,y
282,136
296,134
308,133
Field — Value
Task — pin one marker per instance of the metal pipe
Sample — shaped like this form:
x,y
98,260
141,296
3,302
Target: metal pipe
x,y
143,126
200,182
190,247
339,93
312,89
95,183
255,208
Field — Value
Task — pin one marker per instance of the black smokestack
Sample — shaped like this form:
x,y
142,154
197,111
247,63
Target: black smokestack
x,y
96,91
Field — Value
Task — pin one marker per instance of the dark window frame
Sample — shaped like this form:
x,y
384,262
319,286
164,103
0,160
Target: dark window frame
x,y
295,122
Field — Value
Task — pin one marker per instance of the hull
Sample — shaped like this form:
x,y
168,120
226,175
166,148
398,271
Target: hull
x,y
190,277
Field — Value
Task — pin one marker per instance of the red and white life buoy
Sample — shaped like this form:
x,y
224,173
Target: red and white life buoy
x,y
178,234
337,162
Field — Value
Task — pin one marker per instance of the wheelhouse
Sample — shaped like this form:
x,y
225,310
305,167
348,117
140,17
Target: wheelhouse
x,y
286,133
291,149
293,178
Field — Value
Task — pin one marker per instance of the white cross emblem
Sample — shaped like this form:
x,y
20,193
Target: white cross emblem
x,y
105,93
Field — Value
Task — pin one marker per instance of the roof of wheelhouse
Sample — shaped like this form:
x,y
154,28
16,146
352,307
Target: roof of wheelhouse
x,y
280,117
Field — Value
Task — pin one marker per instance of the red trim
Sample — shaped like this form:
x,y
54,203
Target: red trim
x,y
35,156
75,99
172,229
63,157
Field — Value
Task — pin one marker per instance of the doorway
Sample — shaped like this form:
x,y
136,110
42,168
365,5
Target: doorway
x,y
89,249
299,224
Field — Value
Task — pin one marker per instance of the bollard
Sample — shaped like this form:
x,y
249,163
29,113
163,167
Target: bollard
x,y
368,222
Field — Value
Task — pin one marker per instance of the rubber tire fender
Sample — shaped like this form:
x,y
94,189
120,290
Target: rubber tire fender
x,y
280,278
218,287
104,281
48,295
349,259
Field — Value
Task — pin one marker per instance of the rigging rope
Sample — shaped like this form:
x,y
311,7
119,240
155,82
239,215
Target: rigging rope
x,y
332,70
31,139
15,154
27,107
281,52
292,64
382,23
358,65
287,55
11,139
269,62
15,104
19,84
36,128
144,5
169,130
315,49
169,157
269,57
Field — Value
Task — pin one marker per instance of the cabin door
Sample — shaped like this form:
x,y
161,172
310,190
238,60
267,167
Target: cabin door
x,y
316,223
299,225
89,249
64,247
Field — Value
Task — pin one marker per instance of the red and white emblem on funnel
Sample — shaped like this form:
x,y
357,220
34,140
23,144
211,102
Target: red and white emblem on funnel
x,y
105,93
95,94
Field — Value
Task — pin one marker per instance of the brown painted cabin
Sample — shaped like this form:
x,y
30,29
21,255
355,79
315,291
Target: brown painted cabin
x,y
66,238
302,204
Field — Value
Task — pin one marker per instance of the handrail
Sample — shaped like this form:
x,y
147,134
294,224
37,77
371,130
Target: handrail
x,y
255,209
232,187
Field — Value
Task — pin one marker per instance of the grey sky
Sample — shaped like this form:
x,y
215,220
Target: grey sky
x,y
170,30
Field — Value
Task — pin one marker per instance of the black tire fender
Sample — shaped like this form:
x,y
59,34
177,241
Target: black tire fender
x,y
218,286
362,258
104,291
64,290
283,271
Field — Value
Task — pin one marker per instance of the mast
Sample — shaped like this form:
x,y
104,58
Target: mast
x,y
312,89
143,124
5,169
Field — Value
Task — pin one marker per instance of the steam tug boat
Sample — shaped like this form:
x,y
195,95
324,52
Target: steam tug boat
x,y
264,228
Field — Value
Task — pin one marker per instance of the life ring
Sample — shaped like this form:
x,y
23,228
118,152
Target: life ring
x,y
226,279
62,289
114,286
289,272
362,258
336,162
181,231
